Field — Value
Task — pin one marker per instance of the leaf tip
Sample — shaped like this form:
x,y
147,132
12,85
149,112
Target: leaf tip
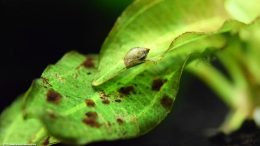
x,y
96,83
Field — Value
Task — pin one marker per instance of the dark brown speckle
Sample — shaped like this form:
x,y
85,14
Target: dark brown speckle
x,y
126,90
157,84
88,63
53,97
118,100
166,102
104,97
46,83
92,115
105,101
91,119
90,103
120,121
46,142
91,122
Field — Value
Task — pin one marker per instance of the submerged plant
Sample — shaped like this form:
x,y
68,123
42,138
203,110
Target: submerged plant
x,y
120,94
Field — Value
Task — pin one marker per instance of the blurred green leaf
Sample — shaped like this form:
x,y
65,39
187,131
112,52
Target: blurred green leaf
x,y
239,88
14,129
251,35
243,10
251,63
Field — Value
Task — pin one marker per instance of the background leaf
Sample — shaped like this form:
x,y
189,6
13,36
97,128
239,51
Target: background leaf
x,y
244,11
238,88
251,35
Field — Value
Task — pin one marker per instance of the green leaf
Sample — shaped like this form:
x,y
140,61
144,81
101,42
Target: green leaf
x,y
251,35
240,89
251,61
14,129
75,112
135,100
243,10
155,24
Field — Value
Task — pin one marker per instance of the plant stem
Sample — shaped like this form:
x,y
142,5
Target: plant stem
x,y
215,80
233,120
233,69
233,96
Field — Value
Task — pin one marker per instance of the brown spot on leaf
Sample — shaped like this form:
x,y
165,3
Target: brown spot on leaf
x,y
157,84
91,119
166,102
118,100
88,63
91,122
46,142
53,97
102,94
104,97
105,101
92,115
90,103
126,90
46,83
120,121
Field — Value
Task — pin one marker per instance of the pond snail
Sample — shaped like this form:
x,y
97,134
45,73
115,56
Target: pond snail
x,y
135,56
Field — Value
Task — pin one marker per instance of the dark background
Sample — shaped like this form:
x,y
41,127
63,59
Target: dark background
x,y
35,33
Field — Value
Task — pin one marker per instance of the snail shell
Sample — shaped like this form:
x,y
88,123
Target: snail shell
x,y
135,56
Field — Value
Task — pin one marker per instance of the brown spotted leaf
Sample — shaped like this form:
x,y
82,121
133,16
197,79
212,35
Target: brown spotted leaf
x,y
75,112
